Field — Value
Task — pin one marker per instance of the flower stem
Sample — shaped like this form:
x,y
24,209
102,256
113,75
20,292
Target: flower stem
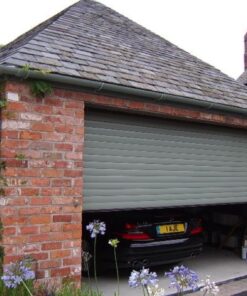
x,y
88,275
147,291
94,261
143,289
26,287
115,257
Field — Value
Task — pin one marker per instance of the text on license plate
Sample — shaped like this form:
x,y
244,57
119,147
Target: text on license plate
x,y
170,228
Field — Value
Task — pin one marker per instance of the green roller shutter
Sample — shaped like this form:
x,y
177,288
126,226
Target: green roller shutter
x,y
133,161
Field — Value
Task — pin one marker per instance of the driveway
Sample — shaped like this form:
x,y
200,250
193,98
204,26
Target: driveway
x,y
221,265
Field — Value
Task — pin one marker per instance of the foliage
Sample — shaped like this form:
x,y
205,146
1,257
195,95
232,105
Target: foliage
x,y
20,156
44,289
1,250
2,192
26,69
20,291
3,103
40,88
3,182
71,290
2,165
44,71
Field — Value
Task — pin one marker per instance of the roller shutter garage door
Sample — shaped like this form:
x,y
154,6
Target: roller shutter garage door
x,y
133,161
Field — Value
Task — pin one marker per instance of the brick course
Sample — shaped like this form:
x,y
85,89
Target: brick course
x,y
42,209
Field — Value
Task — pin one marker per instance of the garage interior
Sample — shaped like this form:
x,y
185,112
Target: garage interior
x,y
160,163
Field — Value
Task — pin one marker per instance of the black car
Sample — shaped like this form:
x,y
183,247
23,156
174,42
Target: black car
x,y
147,238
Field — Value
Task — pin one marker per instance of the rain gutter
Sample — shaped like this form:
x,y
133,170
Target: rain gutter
x,y
114,88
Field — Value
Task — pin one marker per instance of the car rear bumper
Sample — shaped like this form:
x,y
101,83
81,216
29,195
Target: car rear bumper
x,y
136,255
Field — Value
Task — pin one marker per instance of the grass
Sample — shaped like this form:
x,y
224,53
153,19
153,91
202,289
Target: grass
x,y
71,290
68,289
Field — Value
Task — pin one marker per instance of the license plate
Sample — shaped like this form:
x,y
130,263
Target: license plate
x,y
170,228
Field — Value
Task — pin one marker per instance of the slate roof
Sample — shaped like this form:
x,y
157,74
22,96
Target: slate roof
x,y
243,78
89,40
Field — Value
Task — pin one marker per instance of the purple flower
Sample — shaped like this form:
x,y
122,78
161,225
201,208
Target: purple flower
x,y
16,273
96,227
142,278
182,277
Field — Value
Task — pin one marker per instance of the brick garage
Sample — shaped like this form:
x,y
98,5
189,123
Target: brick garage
x,y
42,213
42,138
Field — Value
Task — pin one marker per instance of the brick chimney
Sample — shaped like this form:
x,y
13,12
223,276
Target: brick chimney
x,y
245,51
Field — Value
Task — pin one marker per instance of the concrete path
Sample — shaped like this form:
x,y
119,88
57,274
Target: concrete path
x,y
232,288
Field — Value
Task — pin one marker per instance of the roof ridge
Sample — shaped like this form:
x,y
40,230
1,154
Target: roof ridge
x,y
13,46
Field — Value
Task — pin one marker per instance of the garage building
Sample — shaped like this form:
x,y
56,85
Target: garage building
x,y
102,114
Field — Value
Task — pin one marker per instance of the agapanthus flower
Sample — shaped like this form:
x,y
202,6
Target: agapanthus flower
x,y
86,256
16,273
155,291
142,278
209,288
96,227
182,277
114,242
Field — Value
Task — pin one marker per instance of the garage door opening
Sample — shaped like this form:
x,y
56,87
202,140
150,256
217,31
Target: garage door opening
x,y
222,256
180,233
136,164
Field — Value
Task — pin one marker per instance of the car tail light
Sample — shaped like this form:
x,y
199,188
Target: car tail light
x,y
135,236
133,233
129,226
196,230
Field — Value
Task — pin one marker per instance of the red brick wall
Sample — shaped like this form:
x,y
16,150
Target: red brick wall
x,y
43,203
41,211
155,109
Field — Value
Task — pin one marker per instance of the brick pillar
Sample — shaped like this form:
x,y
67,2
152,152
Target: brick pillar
x,y
42,143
